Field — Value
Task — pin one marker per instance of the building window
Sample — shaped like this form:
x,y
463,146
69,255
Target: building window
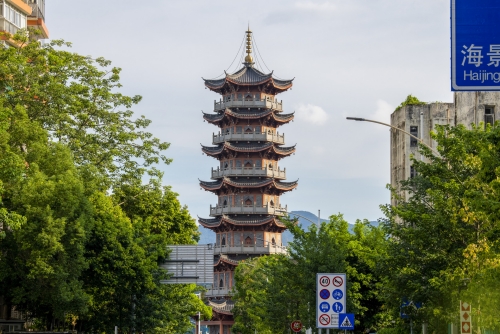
x,y
15,17
414,132
413,172
248,241
489,116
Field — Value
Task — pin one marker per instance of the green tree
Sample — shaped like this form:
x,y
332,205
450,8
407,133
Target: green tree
x,y
444,237
81,236
273,291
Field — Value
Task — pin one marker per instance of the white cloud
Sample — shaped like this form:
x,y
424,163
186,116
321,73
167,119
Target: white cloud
x,y
314,6
312,114
384,111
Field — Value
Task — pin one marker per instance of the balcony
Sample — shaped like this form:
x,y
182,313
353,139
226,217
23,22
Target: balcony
x,y
37,18
251,249
249,172
256,103
218,292
255,136
267,209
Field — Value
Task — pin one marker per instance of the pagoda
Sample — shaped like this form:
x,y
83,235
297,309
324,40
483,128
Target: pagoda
x,y
248,181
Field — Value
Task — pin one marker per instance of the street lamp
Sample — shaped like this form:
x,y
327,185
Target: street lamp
x,y
395,128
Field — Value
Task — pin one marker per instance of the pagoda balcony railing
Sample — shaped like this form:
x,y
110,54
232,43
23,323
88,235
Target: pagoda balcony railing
x,y
254,136
218,292
247,209
249,171
251,249
255,103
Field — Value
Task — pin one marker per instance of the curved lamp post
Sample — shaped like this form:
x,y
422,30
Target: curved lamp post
x,y
420,140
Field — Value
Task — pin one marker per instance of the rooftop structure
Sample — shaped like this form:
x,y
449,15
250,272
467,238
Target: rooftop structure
x,y
248,182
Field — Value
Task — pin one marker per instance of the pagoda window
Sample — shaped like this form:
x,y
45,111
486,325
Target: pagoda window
x,y
226,165
248,129
248,241
237,200
257,129
248,164
238,163
224,203
270,166
223,242
273,241
227,279
258,200
248,202
229,239
248,97
257,96
240,97
221,283
231,164
239,129
227,131
271,203
258,164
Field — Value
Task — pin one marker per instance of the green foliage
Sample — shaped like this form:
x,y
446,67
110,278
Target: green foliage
x,y
410,100
81,236
273,291
444,244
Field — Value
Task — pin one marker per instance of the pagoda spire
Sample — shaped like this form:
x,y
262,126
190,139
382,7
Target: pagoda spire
x,y
249,58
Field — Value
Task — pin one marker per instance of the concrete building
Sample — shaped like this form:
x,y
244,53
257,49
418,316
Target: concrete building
x,y
22,14
467,108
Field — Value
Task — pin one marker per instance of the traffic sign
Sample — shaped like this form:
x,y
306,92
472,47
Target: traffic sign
x,y
324,281
475,45
337,294
338,281
331,299
324,319
346,321
465,318
337,307
296,326
324,307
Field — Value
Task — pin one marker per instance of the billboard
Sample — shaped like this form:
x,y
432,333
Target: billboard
x,y
475,45
190,264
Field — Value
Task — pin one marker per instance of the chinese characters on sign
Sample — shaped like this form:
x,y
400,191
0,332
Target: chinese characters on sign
x,y
475,43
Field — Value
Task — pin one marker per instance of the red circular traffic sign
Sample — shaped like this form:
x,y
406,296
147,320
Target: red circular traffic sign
x,y
324,280
337,281
324,319
296,326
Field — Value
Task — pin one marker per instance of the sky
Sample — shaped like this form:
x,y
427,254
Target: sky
x,y
348,57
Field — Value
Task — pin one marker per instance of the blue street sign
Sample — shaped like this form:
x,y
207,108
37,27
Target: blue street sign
x,y
324,307
475,45
337,294
337,307
405,305
346,321
325,294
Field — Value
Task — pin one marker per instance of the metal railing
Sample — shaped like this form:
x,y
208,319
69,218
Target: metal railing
x,y
254,136
249,171
218,292
38,8
255,103
246,209
251,249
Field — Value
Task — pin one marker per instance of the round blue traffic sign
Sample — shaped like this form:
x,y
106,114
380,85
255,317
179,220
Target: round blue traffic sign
x,y
324,294
337,307
337,294
324,307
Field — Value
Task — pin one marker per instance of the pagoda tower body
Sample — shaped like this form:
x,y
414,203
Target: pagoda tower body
x,y
248,180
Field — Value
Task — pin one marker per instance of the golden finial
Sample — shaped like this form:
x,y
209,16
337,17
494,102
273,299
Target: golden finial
x,y
248,58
